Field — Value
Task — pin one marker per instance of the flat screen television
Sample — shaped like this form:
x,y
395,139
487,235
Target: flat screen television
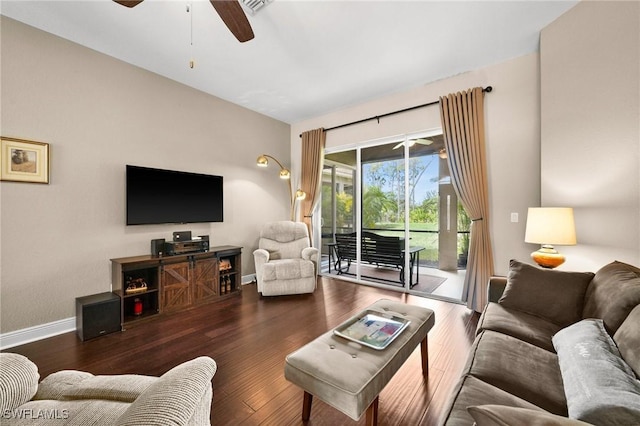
x,y
157,196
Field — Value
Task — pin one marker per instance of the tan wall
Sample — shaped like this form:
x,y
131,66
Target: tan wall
x,y
99,114
512,133
590,131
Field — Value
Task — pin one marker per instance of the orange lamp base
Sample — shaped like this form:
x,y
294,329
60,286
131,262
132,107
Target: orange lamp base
x,y
547,257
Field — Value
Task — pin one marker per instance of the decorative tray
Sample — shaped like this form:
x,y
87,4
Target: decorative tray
x,y
372,329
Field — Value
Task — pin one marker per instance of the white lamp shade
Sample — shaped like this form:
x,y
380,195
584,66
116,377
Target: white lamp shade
x,y
550,225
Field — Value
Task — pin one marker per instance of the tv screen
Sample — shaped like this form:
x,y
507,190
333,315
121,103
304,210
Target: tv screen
x,y
167,196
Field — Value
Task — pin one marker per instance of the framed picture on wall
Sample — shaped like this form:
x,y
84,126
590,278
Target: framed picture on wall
x,y
24,161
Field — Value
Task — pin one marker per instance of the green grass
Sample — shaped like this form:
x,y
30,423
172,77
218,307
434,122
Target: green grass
x,y
428,240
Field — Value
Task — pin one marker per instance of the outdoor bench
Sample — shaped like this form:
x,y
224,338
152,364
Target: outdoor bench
x,y
375,249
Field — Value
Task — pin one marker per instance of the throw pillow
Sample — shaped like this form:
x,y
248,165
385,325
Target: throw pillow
x,y
613,293
599,386
628,340
555,295
502,415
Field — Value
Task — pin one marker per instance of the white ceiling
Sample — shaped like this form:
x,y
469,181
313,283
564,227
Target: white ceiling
x,y
308,58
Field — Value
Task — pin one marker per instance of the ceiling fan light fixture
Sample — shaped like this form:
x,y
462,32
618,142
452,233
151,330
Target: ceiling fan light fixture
x,y
254,6
230,11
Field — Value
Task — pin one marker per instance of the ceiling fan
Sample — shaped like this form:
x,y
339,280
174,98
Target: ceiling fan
x,y
230,12
412,142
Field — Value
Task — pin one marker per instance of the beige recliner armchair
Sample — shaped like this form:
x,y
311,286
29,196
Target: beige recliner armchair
x,y
181,396
285,262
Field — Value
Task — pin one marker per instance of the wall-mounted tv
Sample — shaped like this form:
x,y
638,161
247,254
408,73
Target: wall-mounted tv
x,y
167,196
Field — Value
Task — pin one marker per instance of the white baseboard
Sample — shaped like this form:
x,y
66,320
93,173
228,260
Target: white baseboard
x,y
31,334
248,279
38,332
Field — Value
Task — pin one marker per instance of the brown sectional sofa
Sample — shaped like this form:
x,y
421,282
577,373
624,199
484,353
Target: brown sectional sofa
x,y
554,347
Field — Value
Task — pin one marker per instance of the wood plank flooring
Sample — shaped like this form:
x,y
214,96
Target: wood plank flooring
x,y
249,336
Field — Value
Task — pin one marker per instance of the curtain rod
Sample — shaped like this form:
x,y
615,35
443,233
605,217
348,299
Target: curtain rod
x,y
487,89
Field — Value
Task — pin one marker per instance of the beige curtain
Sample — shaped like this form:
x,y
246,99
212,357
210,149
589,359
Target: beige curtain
x,y
312,160
462,117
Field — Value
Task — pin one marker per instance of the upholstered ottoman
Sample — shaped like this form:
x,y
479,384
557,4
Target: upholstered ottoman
x,y
349,376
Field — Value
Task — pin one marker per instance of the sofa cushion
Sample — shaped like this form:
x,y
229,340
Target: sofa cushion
x,y
613,293
508,363
530,328
555,295
55,385
51,412
284,239
288,269
502,415
473,391
125,387
600,387
628,340
18,380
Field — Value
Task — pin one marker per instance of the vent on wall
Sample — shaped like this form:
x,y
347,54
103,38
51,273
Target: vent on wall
x,y
255,5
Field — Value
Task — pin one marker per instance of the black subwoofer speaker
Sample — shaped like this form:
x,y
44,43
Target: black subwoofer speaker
x,y
97,315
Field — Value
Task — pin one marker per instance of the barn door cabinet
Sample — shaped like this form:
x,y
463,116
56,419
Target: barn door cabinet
x,y
188,283
149,285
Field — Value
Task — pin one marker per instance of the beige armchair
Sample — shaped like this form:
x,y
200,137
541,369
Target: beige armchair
x,y
285,261
181,396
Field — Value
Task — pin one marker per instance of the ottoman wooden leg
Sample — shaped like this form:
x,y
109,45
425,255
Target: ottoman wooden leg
x,y
425,357
372,414
306,406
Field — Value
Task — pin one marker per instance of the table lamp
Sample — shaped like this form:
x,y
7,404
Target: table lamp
x,y
548,226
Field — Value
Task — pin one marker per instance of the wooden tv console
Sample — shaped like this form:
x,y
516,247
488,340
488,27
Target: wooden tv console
x,y
150,285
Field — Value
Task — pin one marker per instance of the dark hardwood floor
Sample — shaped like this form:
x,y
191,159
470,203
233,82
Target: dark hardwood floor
x,y
249,336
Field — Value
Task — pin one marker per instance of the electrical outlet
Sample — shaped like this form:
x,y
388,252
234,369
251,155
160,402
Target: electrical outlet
x,y
514,217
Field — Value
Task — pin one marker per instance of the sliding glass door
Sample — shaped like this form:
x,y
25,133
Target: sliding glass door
x,y
390,217
338,213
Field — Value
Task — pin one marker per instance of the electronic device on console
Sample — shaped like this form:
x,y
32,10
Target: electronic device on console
x,y
182,236
172,248
160,247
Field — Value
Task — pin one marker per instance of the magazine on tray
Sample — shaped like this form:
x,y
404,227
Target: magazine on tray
x,y
372,329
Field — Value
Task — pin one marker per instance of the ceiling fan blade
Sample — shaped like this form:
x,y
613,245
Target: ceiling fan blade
x,y
412,142
234,18
129,3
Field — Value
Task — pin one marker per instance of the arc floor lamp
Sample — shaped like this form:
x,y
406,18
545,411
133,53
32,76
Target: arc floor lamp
x,y
285,174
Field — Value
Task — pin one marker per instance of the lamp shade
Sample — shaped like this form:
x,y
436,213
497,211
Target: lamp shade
x,y
285,174
300,194
550,225
262,161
